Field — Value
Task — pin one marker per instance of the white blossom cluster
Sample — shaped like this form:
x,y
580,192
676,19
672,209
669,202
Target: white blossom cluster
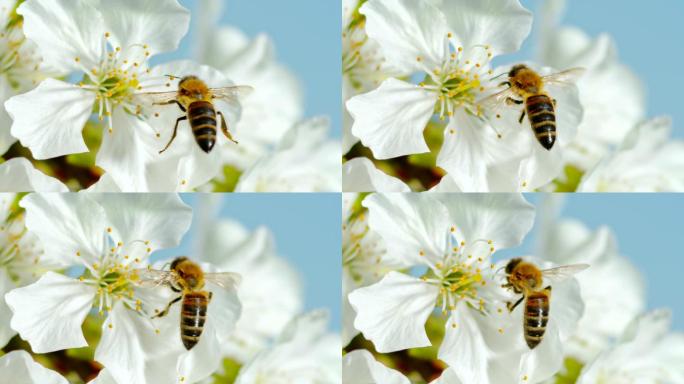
x,y
412,258
412,64
66,65
74,258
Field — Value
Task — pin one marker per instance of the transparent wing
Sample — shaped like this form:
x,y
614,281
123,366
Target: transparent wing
x,y
226,280
558,274
233,93
564,77
153,277
157,98
496,100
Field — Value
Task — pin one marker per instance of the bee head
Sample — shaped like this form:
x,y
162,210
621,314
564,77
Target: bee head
x,y
184,79
177,261
512,264
516,68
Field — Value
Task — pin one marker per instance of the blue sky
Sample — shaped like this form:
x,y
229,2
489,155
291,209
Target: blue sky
x,y
307,233
307,41
647,228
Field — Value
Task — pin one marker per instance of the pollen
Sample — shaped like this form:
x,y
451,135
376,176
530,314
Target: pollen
x,y
77,59
110,326
107,34
157,331
109,229
421,253
501,331
419,59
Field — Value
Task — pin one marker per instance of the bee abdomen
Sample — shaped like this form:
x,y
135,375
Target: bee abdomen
x,y
202,117
193,315
542,117
536,317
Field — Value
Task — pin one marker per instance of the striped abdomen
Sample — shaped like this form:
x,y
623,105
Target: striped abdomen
x,y
536,316
202,117
542,117
193,315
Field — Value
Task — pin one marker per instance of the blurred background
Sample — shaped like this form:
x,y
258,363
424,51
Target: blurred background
x,y
647,228
306,42
648,37
306,229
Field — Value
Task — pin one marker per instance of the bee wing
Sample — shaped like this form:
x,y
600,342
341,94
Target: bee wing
x,y
153,277
226,280
233,93
496,100
558,274
157,98
564,77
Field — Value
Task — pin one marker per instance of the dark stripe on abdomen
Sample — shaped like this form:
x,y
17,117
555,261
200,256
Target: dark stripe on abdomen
x,y
202,116
193,315
536,317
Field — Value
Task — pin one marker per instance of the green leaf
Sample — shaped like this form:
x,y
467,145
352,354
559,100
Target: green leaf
x,y
231,368
570,180
571,373
231,176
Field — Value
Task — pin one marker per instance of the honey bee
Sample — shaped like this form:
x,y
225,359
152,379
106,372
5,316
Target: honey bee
x,y
194,98
187,278
527,279
526,86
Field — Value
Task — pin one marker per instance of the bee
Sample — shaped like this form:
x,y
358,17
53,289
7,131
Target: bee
x,y
187,278
526,86
527,279
195,99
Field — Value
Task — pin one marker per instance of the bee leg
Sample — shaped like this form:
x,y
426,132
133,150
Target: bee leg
x,y
182,108
510,100
522,116
224,128
512,307
506,83
166,311
554,102
175,130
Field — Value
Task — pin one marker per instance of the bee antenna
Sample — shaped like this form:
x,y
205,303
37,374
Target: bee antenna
x,y
499,75
172,77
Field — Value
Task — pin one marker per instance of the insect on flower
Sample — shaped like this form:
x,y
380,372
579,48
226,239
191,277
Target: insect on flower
x,y
527,279
194,98
540,107
187,278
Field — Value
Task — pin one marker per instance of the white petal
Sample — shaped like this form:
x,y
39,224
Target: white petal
x,y
390,120
448,377
393,312
66,224
103,377
360,175
49,119
158,24
65,30
126,151
105,184
160,219
49,313
471,148
503,218
19,175
17,367
501,24
413,226
6,285
6,139
361,367
133,352
407,30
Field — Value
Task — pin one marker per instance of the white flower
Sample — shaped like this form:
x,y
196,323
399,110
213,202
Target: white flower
x,y
612,96
19,175
646,353
360,367
229,246
648,160
455,239
20,259
364,258
452,47
612,289
360,175
363,65
110,236
303,162
109,44
274,106
17,367
303,354
20,65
